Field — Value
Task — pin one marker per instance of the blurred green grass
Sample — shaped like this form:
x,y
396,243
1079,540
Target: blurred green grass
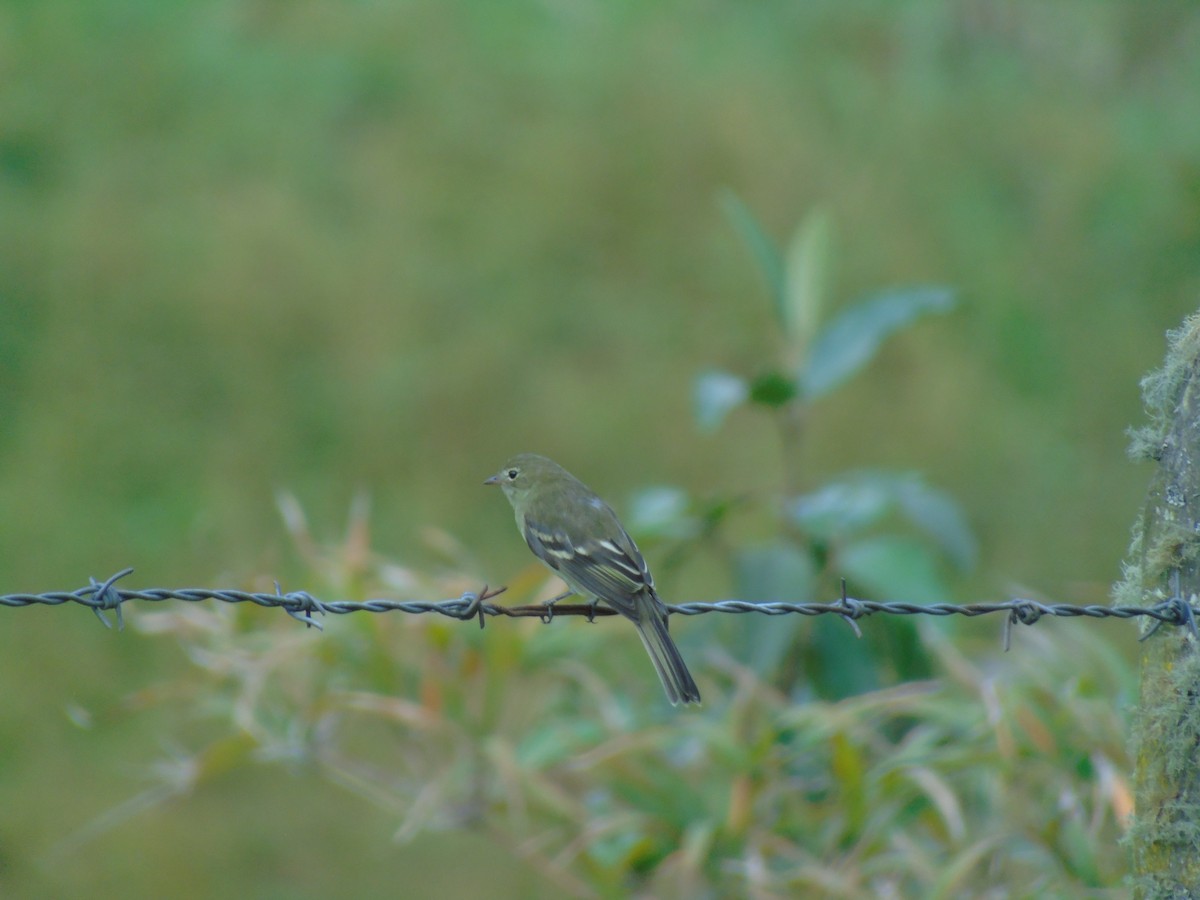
x,y
252,246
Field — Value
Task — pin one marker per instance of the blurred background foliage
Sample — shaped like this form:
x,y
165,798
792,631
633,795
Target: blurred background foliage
x,y
371,249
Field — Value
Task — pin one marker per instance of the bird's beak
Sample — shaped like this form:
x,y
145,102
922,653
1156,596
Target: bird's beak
x,y
495,479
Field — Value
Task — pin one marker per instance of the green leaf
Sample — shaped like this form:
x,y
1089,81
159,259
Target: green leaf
x,y
618,849
903,570
763,249
938,514
859,500
851,340
225,755
841,507
898,568
807,280
838,663
714,395
762,574
555,740
662,511
849,770
773,389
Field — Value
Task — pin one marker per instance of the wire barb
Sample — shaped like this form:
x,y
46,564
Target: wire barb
x,y
853,611
302,606
472,605
1174,611
106,598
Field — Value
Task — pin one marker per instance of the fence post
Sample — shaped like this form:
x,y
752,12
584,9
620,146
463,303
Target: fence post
x,y
1164,561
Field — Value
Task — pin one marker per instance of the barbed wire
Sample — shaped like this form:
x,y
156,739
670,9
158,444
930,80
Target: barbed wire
x,y
104,596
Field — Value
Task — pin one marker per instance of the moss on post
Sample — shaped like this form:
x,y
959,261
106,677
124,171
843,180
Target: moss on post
x,y
1165,558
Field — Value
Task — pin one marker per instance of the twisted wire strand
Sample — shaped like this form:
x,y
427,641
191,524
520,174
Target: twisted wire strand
x,y
104,596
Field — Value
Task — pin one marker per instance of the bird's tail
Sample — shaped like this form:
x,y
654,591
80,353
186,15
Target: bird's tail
x,y
672,672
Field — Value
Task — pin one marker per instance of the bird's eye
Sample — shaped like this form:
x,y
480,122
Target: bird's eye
x,y
512,474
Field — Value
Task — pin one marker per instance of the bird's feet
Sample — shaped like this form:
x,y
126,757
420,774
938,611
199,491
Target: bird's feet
x,y
549,604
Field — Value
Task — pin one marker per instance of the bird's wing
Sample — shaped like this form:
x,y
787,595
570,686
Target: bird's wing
x,y
612,570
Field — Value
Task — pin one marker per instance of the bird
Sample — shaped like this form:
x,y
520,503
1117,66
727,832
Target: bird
x,y
579,537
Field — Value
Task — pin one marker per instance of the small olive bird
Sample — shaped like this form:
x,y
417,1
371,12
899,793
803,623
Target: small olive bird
x,y
580,538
